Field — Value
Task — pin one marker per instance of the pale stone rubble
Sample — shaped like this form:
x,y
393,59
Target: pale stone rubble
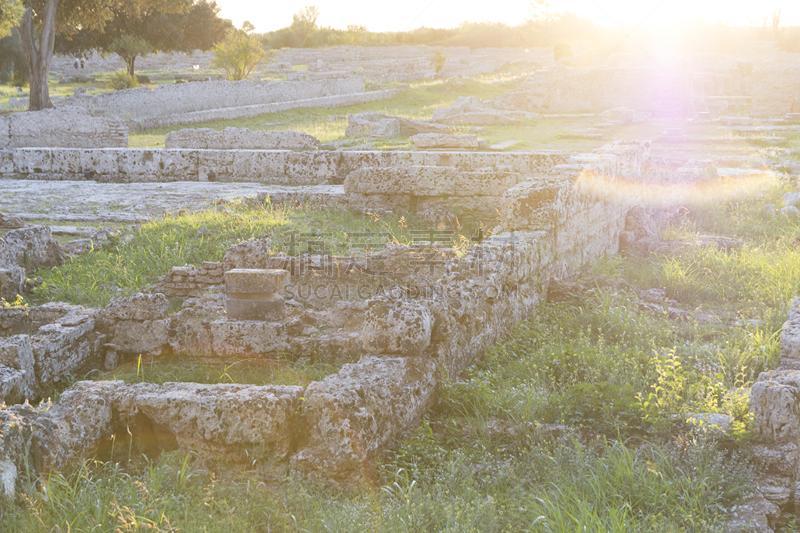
x,y
468,110
380,126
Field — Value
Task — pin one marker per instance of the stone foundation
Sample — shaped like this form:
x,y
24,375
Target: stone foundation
x,y
263,166
67,127
398,342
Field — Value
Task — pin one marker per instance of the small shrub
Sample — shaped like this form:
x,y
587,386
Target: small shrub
x,y
122,80
17,303
238,54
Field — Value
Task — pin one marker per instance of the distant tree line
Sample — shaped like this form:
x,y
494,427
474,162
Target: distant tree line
x,y
305,32
33,30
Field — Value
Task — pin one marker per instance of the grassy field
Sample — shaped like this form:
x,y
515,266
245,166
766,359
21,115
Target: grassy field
x,y
418,101
578,421
155,247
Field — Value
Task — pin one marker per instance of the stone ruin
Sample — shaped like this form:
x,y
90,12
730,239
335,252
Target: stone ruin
x,y
66,127
775,398
240,139
21,251
402,319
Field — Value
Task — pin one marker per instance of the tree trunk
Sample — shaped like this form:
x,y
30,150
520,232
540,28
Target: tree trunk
x,y
130,62
39,51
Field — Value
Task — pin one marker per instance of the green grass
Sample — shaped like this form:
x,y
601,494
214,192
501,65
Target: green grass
x,y
621,378
418,101
165,369
123,268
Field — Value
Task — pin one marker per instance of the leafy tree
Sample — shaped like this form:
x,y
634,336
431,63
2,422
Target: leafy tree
x,y
10,15
129,47
40,21
13,65
139,27
304,25
239,53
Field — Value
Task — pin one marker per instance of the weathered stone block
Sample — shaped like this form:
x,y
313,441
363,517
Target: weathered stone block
x,y
240,138
140,306
353,414
242,309
401,327
18,379
790,339
72,428
254,281
774,401
244,423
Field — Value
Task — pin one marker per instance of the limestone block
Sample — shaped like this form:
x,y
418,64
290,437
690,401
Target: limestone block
x,y
353,414
140,165
375,125
66,163
256,282
430,181
253,253
179,164
400,326
245,423
240,338
32,161
248,309
72,428
15,443
269,165
12,281
101,163
240,138
6,162
139,307
312,168
60,349
18,378
148,337
790,339
774,401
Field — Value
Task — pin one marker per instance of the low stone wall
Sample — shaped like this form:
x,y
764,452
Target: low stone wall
x,y
190,280
278,167
21,251
240,139
68,127
44,346
186,103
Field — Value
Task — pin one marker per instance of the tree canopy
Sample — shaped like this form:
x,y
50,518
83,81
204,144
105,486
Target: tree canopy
x,y
10,15
138,27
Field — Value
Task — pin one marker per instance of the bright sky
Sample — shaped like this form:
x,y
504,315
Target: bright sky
x,y
390,15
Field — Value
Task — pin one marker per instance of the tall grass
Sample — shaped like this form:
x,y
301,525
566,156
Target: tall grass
x,y
619,381
94,278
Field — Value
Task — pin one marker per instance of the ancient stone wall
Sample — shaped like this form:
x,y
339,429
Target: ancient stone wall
x,y
397,344
264,166
185,103
68,127
775,402
240,139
